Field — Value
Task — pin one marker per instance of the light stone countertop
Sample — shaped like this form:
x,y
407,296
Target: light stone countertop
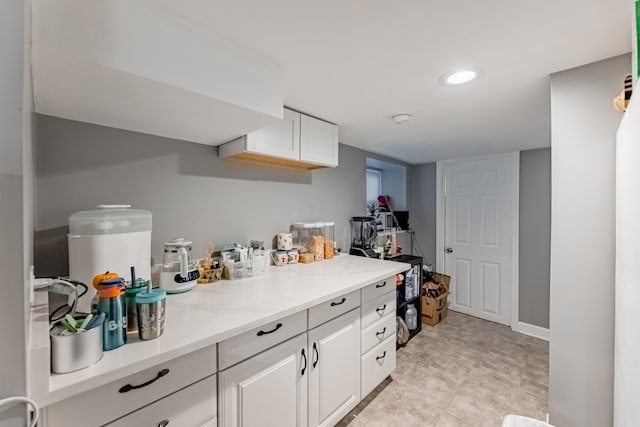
x,y
211,313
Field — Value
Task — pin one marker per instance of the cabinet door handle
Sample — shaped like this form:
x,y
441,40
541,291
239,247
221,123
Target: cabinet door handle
x,y
315,350
381,309
163,423
383,355
381,333
304,368
333,304
128,387
381,285
278,326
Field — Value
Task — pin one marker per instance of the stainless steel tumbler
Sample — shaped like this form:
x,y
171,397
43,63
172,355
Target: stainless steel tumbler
x,y
151,309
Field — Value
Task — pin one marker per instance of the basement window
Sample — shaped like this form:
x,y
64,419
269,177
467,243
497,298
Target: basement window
x,y
374,185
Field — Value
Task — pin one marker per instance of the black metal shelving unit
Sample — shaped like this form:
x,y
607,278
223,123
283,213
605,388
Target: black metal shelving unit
x,y
401,301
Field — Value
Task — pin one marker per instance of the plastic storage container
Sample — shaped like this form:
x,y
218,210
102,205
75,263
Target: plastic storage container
x,y
329,239
301,233
109,238
317,241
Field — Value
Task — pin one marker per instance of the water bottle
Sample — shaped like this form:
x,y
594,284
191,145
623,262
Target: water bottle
x,y
111,302
409,286
411,317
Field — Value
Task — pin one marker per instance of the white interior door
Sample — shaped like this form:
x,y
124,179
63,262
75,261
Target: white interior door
x,y
479,236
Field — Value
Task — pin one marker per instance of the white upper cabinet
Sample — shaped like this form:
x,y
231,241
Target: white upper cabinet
x,y
131,65
318,141
279,140
298,141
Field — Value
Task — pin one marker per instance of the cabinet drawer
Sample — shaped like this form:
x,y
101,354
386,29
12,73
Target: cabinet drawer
x,y
378,364
194,406
245,345
326,311
112,401
378,332
379,288
377,308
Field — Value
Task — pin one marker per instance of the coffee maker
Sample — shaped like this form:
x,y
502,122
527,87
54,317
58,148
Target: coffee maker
x,y
363,236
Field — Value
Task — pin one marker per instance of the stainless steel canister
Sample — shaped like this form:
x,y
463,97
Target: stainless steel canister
x,y
72,352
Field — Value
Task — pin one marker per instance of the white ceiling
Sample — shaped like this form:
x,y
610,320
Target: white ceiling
x,y
357,62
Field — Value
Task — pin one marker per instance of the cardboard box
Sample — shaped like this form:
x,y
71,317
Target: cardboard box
x,y
440,279
434,309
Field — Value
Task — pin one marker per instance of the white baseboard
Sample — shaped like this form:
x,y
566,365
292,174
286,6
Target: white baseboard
x,y
533,330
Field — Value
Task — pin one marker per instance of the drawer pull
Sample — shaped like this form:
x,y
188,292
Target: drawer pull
x,y
381,285
333,304
381,333
304,368
278,326
383,355
315,349
381,309
128,387
163,423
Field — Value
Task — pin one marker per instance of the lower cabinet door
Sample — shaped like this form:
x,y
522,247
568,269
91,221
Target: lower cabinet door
x,y
377,364
334,381
267,390
194,406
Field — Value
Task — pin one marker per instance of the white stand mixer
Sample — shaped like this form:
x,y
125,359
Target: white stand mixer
x,y
179,272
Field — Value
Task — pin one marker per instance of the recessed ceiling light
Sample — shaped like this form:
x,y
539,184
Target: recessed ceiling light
x,y
460,76
400,118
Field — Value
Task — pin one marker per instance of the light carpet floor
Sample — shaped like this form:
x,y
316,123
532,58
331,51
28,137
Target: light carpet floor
x,y
464,372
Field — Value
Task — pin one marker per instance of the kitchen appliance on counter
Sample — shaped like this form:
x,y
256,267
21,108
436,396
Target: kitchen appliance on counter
x,y
179,272
109,238
363,236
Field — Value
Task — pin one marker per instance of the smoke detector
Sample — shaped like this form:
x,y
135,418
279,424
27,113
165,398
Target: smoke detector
x,y
400,118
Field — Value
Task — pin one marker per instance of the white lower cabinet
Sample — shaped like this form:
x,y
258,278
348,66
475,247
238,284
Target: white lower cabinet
x,y
378,334
378,364
267,390
109,402
194,406
334,378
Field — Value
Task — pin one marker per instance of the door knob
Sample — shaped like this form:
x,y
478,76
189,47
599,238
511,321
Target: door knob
x,y
449,250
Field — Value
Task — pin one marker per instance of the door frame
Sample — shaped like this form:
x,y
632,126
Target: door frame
x,y
441,224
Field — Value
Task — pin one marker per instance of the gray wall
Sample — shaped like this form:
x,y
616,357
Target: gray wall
x,y
423,209
582,242
189,191
535,236
14,139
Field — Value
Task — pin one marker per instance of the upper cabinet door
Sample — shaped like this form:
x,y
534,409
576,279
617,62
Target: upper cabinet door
x,y
318,141
278,140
